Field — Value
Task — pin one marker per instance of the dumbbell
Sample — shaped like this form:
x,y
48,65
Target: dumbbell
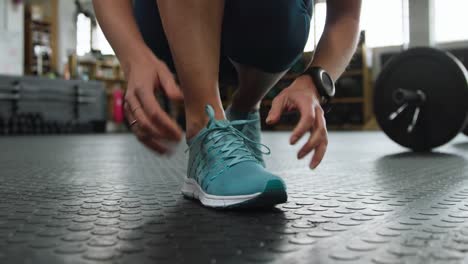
x,y
421,98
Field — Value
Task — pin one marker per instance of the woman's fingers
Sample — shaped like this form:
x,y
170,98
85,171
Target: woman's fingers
x,y
306,122
150,142
317,141
168,83
318,155
137,112
148,136
321,148
313,141
277,107
158,116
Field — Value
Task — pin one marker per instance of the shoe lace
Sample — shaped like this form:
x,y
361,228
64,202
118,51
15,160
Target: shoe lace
x,y
249,131
229,146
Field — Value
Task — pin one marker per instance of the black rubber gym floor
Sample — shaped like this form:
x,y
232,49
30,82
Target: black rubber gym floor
x,y
105,199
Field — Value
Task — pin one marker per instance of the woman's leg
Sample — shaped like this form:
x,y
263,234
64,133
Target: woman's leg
x,y
193,29
263,38
254,84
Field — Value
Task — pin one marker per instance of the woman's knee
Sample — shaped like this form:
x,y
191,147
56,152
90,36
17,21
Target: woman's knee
x,y
266,34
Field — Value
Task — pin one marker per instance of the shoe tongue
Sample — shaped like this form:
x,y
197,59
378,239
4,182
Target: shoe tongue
x,y
217,123
212,123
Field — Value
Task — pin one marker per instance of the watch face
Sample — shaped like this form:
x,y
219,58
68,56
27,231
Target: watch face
x,y
328,83
323,82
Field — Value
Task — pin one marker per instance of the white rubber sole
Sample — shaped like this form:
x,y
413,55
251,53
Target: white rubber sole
x,y
191,189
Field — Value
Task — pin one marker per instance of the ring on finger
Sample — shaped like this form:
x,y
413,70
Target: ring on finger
x,y
133,122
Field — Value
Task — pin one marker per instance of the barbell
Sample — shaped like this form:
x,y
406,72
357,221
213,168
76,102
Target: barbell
x,y
421,98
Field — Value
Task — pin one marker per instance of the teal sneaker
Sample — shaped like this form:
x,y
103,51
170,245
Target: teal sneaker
x,y
252,130
224,173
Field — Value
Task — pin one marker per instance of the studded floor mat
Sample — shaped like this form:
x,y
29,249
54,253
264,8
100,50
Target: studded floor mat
x,y
106,199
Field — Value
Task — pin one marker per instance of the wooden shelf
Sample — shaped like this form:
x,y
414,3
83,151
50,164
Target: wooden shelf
x,y
106,65
95,67
347,100
98,63
106,79
34,31
89,63
44,23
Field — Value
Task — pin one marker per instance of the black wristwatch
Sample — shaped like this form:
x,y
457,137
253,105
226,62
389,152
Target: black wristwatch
x,y
324,83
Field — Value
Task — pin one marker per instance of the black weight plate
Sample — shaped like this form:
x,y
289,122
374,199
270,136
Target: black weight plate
x,y
465,131
442,78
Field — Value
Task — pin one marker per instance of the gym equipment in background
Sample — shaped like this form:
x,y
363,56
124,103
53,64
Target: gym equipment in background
x,y
34,105
421,98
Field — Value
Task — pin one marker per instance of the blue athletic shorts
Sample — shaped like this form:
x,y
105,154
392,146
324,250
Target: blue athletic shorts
x,y
269,35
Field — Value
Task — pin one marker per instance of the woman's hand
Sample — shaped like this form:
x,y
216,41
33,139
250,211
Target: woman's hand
x,y
146,76
302,95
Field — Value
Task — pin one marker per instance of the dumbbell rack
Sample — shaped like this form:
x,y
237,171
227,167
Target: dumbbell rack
x,y
32,105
